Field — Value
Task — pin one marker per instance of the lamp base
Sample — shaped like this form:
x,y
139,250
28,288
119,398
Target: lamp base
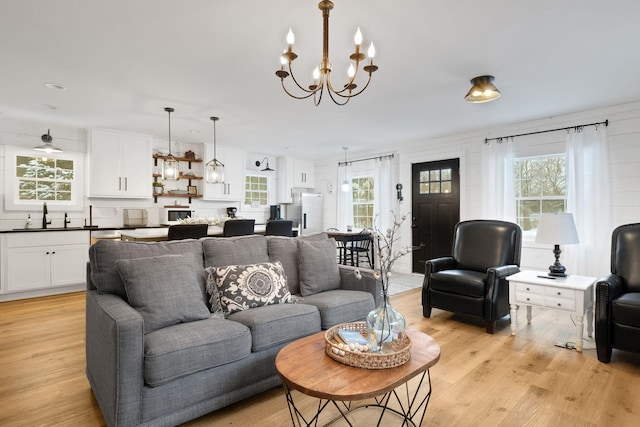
x,y
557,269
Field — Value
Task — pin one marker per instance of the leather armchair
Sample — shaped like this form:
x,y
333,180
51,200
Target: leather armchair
x,y
473,280
618,296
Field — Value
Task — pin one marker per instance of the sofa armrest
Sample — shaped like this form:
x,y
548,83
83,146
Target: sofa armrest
x,y
366,282
115,357
497,290
439,264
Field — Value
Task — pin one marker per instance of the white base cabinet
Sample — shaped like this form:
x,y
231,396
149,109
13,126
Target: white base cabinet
x,y
44,259
119,164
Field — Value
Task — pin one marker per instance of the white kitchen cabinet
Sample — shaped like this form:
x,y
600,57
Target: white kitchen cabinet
x,y
119,164
234,166
44,259
293,173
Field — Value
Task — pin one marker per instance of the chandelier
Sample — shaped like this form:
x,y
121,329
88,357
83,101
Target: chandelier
x,y
322,73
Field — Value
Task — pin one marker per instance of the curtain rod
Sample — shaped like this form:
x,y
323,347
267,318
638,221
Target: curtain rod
x,y
363,160
499,139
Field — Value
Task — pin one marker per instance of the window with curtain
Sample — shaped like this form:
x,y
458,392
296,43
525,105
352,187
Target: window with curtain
x,y
363,199
540,187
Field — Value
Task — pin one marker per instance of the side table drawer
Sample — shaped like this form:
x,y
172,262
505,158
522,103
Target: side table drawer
x,y
560,293
529,298
560,303
525,288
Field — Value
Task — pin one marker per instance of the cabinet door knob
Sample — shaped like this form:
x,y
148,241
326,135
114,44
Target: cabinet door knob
x,y
559,293
528,289
559,305
528,299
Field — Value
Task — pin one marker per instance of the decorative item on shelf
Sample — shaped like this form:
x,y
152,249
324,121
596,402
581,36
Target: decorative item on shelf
x,y
482,90
386,325
170,164
158,187
48,146
192,190
189,155
214,169
266,168
557,229
322,73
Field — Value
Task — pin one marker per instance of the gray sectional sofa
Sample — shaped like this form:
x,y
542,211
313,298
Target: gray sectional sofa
x,y
157,356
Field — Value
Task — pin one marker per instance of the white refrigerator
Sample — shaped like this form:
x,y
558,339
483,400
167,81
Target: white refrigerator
x,y
307,209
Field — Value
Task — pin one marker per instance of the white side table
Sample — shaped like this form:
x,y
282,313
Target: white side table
x,y
573,294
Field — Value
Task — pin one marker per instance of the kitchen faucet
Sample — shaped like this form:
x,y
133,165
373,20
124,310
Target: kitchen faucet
x,y
45,211
66,220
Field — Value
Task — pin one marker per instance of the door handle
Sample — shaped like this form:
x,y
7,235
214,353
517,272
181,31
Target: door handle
x,y
413,222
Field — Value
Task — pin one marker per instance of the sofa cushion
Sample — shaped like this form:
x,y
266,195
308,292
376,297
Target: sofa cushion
x,y
625,309
177,351
241,287
340,306
104,254
220,252
163,289
285,250
272,325
317,266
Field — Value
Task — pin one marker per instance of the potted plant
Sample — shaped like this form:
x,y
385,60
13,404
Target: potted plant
x,y
158,187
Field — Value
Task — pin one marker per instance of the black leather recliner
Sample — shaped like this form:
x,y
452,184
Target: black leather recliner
x,y
618,296
472,281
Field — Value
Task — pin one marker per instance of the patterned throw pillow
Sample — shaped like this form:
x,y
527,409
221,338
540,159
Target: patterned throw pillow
x,y
241,287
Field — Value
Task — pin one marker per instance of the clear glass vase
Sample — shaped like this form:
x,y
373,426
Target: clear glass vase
x,y
386,327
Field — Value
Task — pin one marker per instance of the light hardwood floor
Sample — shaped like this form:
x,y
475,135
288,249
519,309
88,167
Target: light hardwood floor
x,y
481,379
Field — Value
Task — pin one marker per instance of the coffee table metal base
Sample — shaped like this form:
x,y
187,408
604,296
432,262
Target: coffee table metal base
x,y
411,407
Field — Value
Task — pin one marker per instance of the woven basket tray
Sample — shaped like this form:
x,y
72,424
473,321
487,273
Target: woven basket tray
x,y
397,355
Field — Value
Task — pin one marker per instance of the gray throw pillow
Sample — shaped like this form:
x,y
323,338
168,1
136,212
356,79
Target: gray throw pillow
x,y
241,287
317,266
164,289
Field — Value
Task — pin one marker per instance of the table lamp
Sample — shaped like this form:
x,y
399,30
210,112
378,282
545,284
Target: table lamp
x,y
557,229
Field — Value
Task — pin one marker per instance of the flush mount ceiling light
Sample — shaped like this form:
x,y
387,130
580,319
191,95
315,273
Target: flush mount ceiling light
x,y
345,185
214,172
170,164
482,90
322,73
266,168
47,147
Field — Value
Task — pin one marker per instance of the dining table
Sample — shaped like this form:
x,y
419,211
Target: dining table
x,y
346,239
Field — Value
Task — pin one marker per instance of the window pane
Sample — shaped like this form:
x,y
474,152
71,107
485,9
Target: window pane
x,y
434,187
424,188
446,174
434,175
424,176
446,186
553,206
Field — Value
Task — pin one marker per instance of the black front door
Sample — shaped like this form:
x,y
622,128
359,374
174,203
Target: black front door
x,y
435,209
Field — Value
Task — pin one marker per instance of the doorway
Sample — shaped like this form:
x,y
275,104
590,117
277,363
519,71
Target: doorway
x,y
435,188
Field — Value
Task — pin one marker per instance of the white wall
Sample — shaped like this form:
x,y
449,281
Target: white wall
x,y
624,155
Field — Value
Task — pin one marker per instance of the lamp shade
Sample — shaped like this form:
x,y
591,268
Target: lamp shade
x,y
557,229
482,90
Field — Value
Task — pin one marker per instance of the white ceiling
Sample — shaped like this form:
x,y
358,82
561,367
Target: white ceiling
x,y
123,61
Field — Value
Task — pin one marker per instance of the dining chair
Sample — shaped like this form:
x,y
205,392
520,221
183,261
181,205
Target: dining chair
x,y
238,227
187,231
359,247
279,227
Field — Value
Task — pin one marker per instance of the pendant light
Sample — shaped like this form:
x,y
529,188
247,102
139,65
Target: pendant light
x,y
214,169
170,164
47,147
345,185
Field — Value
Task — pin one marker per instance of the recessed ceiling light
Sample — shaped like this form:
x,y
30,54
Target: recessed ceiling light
x,y
55,86
51,107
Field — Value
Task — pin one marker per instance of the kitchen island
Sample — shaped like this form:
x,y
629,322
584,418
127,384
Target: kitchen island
x,y
159,234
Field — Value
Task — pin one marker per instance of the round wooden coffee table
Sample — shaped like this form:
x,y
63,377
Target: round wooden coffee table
x,y
304,366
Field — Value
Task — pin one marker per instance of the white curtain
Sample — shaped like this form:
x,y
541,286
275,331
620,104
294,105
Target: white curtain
x,y
345,198
498,188
588,199
383,193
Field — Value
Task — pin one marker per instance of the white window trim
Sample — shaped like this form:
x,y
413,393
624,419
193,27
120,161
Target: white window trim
x,y
11,201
